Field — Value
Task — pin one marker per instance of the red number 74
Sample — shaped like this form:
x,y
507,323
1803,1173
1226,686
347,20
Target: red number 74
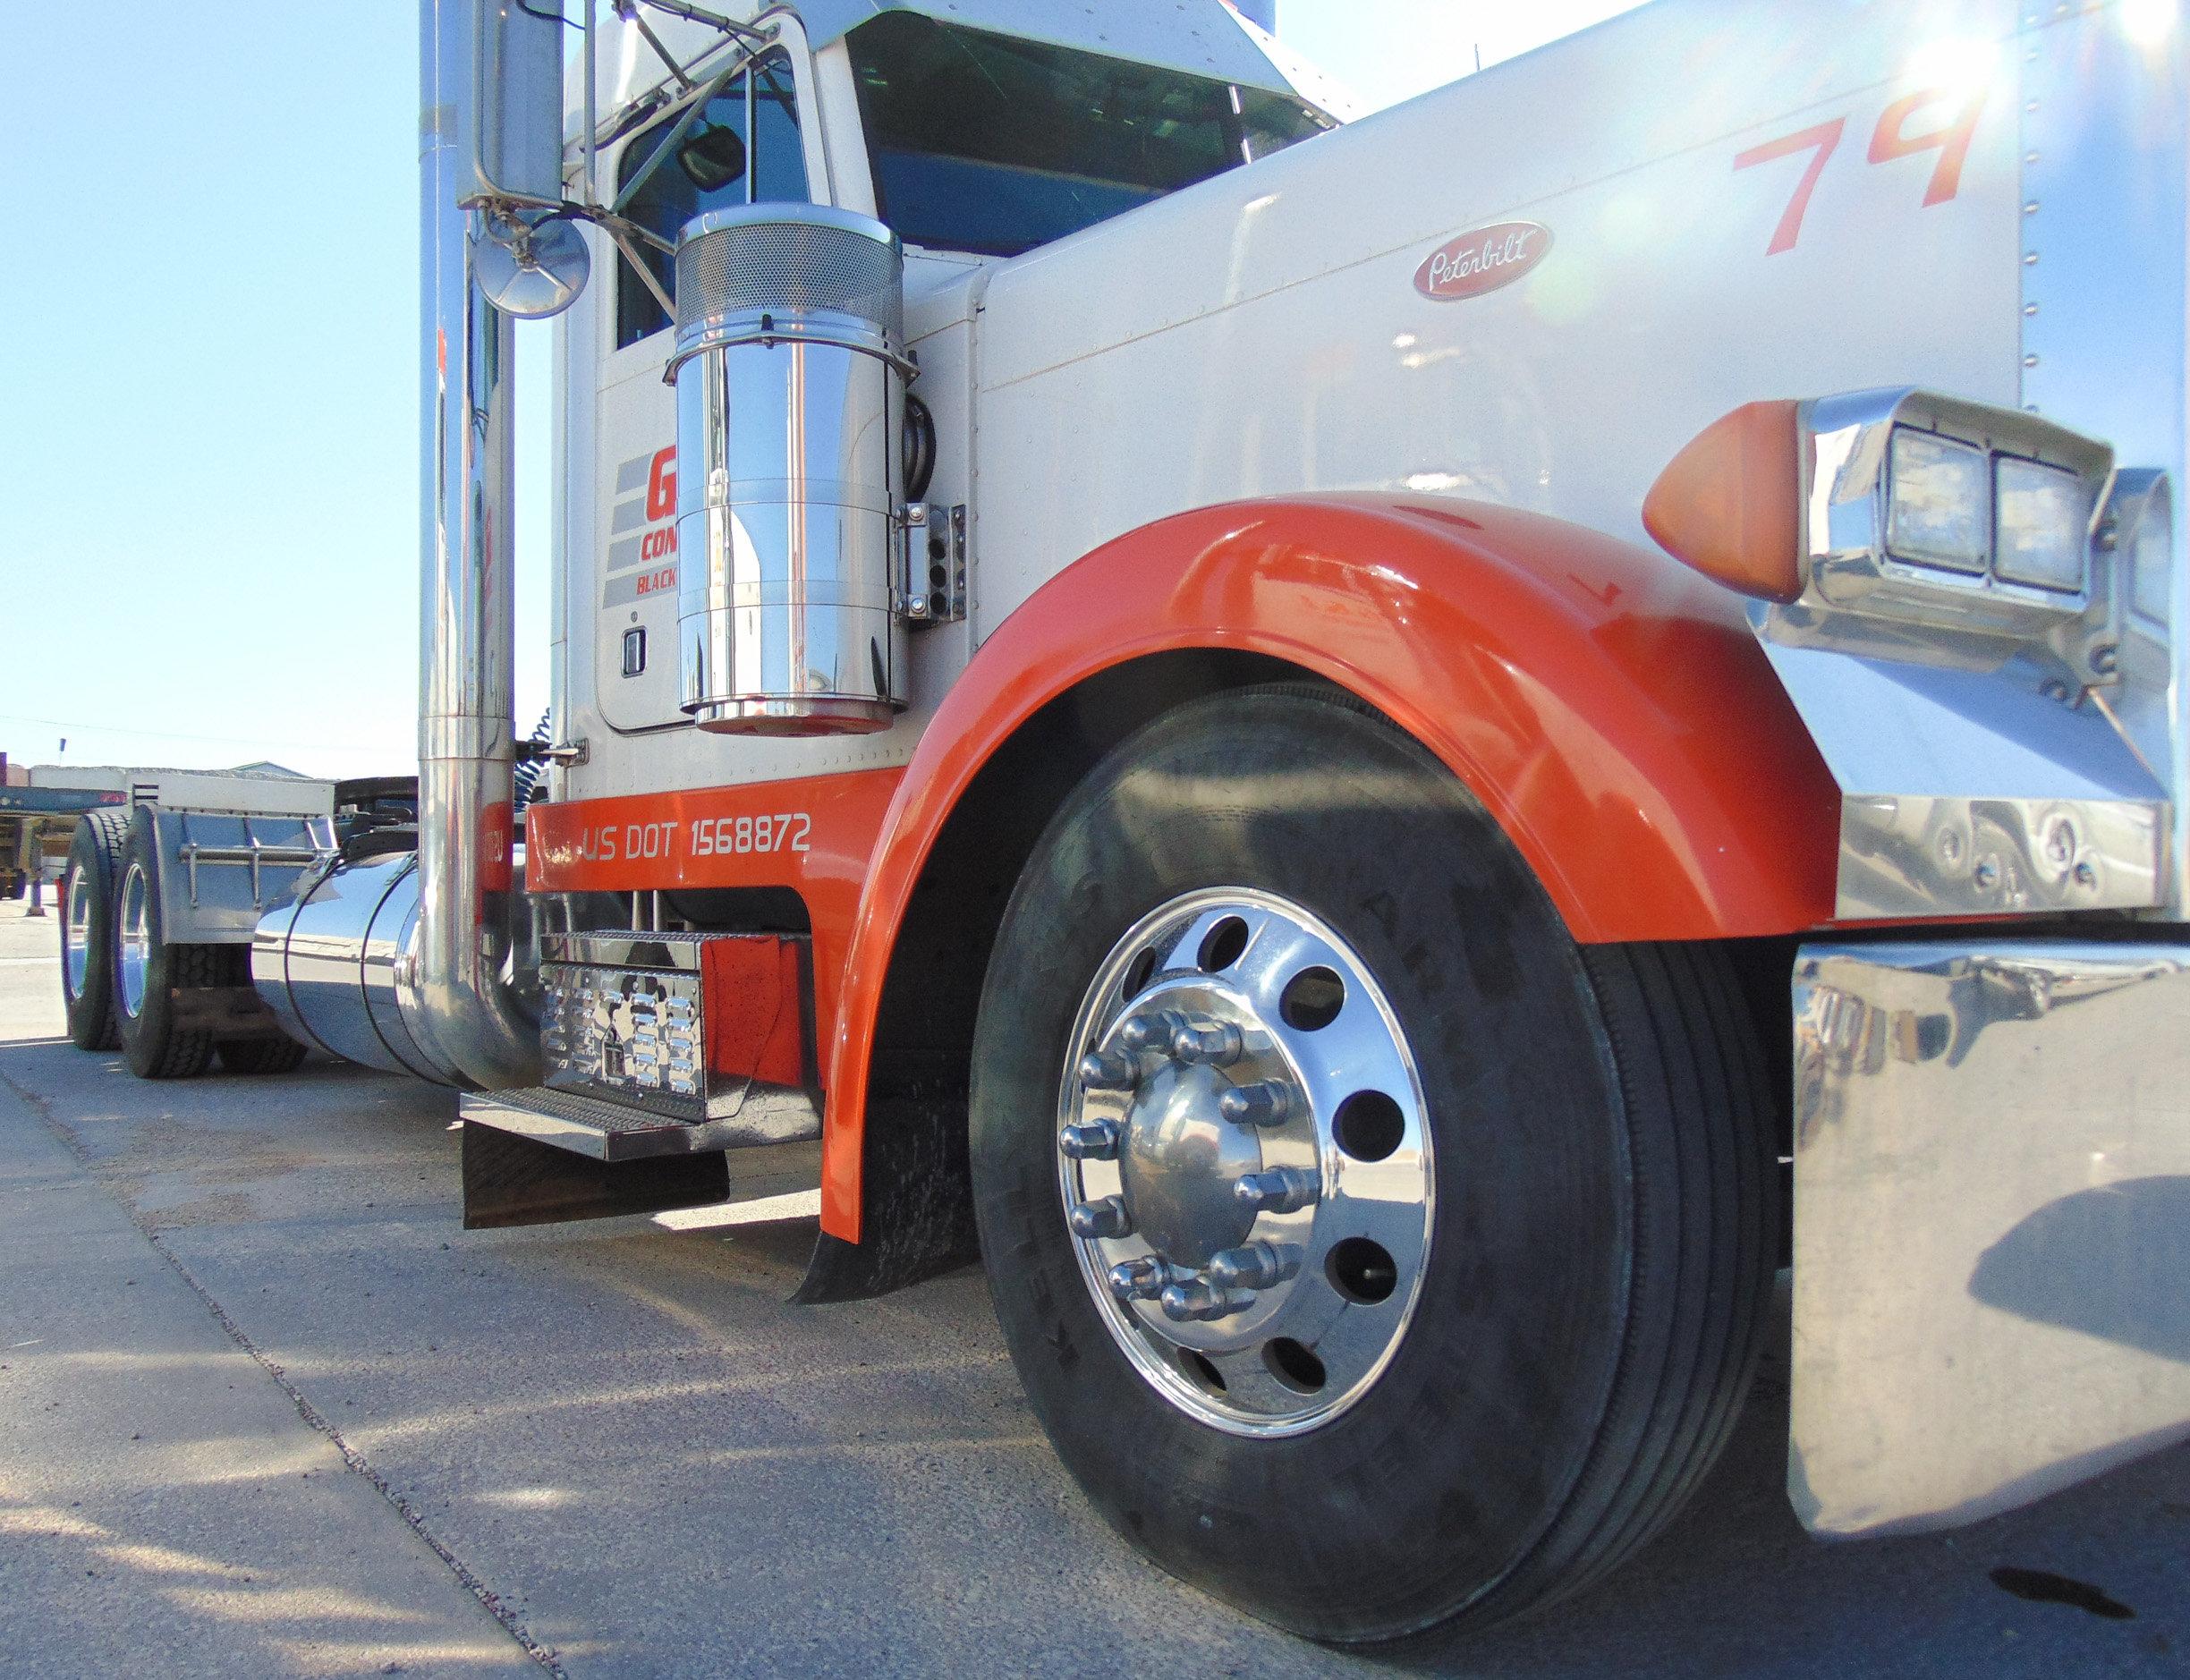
x,y
1889,141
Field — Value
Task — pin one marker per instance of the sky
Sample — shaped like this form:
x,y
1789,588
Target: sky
x,y
209,449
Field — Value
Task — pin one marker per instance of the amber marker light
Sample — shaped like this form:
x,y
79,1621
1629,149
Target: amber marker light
x,y
1729,503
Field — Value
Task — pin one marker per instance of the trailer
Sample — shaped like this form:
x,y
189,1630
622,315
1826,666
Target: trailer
x,y
35,824
1384,761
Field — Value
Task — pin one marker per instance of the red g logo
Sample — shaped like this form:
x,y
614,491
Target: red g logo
x,y
661,485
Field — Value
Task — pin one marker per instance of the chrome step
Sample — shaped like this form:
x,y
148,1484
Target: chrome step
x,y
786,1132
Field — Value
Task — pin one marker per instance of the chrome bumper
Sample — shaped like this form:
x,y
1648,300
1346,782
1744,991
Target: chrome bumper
x,y
1991,1224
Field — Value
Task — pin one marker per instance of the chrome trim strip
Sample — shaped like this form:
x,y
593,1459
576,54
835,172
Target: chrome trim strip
x,y
616,949
1959,786
1903,856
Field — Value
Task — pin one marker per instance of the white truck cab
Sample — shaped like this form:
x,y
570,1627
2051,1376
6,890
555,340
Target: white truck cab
x,y
1381,759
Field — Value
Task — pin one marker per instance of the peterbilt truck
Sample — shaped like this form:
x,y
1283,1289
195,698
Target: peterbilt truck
x,y
1387,761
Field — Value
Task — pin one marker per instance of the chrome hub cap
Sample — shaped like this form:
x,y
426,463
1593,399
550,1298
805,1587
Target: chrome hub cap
x,y
76,932
135,944
1243,1163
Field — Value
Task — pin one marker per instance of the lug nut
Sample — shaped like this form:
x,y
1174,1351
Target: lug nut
x,y
1106,1217
1139,1279
1098,1143
1108,1069
1216,1043
1281,1190
1264,1104
1258,1266
1199,1299
1152,1031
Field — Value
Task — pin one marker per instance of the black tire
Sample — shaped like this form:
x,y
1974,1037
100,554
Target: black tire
x,y
253,1055
153,1045
283,1054
1598,1265
95,856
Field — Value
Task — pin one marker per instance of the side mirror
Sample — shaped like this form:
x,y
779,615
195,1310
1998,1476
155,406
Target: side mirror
x,y
514,142
712,157
528,269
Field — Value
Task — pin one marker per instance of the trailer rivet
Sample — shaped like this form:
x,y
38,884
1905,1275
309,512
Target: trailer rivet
x,y
1986,874
2105,659
2085,876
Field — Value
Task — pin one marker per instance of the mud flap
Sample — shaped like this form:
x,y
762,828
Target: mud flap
x,y
917,1217
510,1180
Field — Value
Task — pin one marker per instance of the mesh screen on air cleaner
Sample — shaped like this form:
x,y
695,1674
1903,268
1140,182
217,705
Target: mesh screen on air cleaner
x,y
789,266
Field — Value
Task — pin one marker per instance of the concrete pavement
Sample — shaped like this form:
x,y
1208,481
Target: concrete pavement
x,y
266,1409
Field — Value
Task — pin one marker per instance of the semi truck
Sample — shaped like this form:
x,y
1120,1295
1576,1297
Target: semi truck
x,y
1386,762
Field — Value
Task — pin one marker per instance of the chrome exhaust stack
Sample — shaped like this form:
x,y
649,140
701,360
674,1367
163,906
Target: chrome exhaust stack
x,y
459,989
449,978
414,963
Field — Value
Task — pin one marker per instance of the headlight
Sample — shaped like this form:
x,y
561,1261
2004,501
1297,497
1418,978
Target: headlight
x,y
1883,517
1937,496
2043,517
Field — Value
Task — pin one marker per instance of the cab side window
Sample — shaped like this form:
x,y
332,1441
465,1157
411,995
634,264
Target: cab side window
x,y
742,147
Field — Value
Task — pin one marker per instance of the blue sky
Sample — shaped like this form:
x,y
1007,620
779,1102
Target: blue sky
x,y
208,508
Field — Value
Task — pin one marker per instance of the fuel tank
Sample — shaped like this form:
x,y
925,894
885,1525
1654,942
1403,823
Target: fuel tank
x,y
339,965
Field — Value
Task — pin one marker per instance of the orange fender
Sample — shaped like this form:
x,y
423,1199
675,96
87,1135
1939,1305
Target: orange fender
x,y
1611,708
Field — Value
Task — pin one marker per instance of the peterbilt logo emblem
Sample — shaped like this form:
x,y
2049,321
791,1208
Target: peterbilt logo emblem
x,y
1483,260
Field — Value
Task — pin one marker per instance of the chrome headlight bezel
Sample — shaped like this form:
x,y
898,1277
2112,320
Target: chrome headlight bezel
x,y
1941,600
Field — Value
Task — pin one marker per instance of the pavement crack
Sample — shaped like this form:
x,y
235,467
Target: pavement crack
x,y
488,1598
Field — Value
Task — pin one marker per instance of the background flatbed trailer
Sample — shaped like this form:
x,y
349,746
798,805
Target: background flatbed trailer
x,y
35,826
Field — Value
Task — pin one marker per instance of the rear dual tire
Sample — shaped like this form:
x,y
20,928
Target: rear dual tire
x,y
1592,1284
148,972
86,928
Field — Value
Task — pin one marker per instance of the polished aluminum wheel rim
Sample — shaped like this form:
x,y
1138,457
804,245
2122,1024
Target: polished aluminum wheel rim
x,y
135,944
1244,1161
76,932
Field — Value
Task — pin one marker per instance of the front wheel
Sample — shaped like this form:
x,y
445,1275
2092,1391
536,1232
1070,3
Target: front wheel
x,y
1372,1255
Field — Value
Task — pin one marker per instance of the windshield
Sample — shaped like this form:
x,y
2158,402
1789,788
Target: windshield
x,y
990,144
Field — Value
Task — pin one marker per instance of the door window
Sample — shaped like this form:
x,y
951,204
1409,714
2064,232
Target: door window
x,y
743,147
